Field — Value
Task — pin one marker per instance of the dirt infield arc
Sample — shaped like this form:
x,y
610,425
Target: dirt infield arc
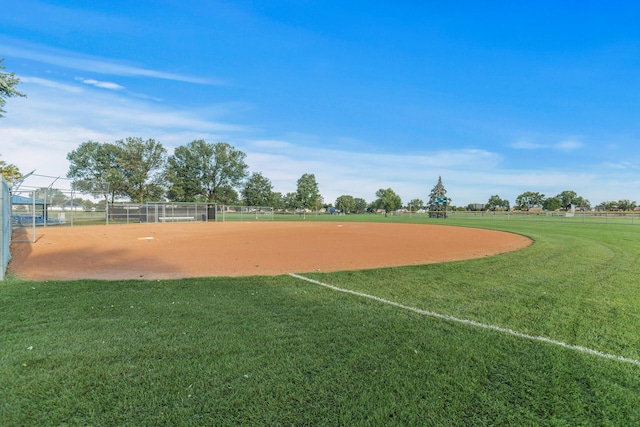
x,y
169,251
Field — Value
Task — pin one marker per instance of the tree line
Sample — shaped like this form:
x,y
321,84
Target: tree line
x,y
139,170
565,200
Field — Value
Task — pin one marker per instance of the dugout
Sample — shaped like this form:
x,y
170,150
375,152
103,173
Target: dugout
x,y
157,212
27,210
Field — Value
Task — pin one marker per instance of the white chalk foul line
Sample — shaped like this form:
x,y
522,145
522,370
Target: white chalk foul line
x,y
476,324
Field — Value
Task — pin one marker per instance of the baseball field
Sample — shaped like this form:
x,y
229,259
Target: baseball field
x,y
379,321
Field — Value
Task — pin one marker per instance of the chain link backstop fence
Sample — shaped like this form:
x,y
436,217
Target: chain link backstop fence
x,y
5,227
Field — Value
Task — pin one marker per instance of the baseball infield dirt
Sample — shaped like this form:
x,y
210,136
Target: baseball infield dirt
x,y
178,250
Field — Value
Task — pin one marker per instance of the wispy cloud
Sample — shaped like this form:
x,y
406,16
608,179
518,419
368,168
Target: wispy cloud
x,y
622,165
271,144
526,145
98,65
565,145
568,145
103,85
50,84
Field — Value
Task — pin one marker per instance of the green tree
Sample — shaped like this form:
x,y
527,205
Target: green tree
x,y
96,169
388,200
52,196
10,172
307,193
227,195
415,205
552,204
257,191
438,200
528,200
187,170
290,201
608,206
277,201
567,198
86,203
495,203
201,170
626,205
142,163
8,83
582,203
346,204
360,205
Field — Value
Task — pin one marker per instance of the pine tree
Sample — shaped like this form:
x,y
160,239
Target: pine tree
x,y
438,201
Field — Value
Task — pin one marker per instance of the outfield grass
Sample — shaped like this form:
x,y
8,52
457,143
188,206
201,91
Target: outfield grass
x,y
282,351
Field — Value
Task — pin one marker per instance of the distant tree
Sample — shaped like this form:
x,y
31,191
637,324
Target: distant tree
x,y
387,200
528,200
142,163
10,172
346,204
552,204
227,195
204,171
308,194
187,170
626,205
97,170
581,202
567,198
570,198
290,201
415,205
8,83
257,191
52,196
277,201
495,202
360,205
608,206
86,203
438,200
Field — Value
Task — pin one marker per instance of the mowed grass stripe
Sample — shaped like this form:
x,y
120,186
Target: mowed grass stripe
x,y
474,323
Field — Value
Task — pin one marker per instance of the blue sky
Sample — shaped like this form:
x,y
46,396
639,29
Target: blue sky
x,y
495,97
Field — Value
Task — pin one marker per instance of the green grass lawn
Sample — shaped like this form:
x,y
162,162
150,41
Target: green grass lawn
x,y
283,351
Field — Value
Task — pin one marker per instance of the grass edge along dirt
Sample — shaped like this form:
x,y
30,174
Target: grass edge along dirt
x,y
279,351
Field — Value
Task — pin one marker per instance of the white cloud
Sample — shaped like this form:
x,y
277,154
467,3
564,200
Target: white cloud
x,y
568,145
271,143
526,145
103,85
